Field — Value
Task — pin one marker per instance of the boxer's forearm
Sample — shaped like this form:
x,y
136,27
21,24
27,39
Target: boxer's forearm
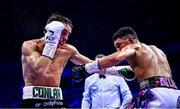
x,y
42,64
51,39
37,62
79,59
115,58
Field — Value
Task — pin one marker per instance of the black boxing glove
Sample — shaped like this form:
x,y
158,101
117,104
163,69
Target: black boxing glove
x,y
78,73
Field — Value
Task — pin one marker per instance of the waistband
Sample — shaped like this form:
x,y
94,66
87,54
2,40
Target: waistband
x,y
41,92
158,81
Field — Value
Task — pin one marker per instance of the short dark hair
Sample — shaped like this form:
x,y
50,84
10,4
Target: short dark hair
x,y
123,32
61,18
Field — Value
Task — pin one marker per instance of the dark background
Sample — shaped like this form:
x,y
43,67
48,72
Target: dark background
x,y
95,21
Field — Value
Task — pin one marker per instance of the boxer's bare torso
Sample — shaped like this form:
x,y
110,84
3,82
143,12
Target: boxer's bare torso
x,y
39,70
149,61
146,61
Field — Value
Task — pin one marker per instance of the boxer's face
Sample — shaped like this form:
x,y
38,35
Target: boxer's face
x,y
65,33
119,43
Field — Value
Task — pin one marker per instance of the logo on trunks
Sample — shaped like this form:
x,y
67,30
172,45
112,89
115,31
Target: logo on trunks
x,y
48,93
167,82
52,103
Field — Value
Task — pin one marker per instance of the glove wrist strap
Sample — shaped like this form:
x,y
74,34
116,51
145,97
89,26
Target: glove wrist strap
x,y
49,50
92,67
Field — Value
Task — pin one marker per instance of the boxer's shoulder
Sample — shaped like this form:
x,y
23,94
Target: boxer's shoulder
x,y
32,42
71,47
36,41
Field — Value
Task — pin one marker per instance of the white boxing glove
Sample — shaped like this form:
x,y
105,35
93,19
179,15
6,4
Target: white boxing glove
x,y
114,70
92,67
125,71
52,36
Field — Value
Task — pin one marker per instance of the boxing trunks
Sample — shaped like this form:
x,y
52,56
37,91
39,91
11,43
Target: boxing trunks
x,y
42,97
156,92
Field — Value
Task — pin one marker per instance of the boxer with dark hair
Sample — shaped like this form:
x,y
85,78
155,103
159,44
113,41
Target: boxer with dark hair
x,y
150,65
43,62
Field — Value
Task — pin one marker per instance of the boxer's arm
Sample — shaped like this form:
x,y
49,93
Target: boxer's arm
x,y
40,62
109,60
77,58
116,58
124,71
78,72
34,59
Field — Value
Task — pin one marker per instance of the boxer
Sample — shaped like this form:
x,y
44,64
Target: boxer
x,y
43,62
150,66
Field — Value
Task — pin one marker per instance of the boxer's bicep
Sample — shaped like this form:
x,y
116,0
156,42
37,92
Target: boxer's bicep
x,y
27,48
33,58
29,53
125,53
79,59
38,62
115,58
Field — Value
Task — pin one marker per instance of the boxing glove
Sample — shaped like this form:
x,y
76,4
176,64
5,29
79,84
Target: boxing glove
x,y
52,36
78,73
124,71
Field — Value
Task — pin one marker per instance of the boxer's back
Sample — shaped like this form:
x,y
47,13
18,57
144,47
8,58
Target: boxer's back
x,y
150,61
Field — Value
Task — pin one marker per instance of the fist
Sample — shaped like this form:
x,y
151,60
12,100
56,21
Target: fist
x,y
78,73
40,46
53,32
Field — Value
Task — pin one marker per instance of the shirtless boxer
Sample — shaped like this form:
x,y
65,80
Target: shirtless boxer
x,y
150,65
43,62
